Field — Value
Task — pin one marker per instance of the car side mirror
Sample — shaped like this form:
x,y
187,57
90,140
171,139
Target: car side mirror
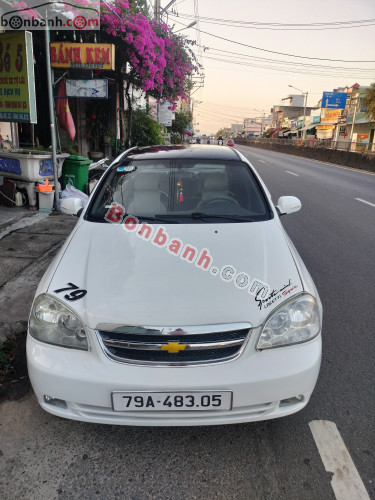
x,y
71,206
288,205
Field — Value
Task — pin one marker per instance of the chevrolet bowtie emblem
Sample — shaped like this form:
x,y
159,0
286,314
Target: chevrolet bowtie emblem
x,y
173,347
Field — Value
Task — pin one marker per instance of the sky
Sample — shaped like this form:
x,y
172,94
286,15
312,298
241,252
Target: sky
x,y
245,82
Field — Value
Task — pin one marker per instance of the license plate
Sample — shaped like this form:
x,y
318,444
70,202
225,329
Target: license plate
x,y
172,401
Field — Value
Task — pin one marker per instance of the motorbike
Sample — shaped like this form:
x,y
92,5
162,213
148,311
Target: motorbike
x,y
96,170
220,141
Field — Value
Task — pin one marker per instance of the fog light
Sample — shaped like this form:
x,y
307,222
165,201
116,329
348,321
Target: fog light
x,y
60,403
292,401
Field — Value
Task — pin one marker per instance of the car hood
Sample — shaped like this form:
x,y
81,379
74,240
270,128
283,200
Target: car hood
x,y
130,281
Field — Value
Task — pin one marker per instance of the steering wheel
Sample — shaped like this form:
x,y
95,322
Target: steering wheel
x,y
217,199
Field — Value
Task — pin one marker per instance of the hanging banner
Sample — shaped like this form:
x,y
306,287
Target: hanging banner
x,y
17,83
82,55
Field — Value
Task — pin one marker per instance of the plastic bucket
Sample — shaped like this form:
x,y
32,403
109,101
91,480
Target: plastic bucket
x,y
46,201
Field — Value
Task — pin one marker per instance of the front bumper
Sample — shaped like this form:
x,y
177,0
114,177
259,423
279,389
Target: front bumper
x,y
259,382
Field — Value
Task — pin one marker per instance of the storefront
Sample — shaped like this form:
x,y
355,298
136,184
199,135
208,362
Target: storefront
x,y
85,84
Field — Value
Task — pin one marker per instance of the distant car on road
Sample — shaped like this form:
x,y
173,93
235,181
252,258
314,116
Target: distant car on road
x,y
178,299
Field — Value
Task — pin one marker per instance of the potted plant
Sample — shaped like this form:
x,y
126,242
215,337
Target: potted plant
x,y
95,133
109,137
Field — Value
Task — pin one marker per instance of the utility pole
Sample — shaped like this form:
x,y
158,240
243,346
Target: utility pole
x,y
353,123
157,11
51,111
304,116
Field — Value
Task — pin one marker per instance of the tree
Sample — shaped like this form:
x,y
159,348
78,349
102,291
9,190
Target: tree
x,y
369,102
145,131
179,125
159,62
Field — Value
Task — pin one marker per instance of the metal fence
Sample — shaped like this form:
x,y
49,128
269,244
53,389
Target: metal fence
x,y
357,147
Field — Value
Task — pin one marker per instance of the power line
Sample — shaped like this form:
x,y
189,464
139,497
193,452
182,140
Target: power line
x,y
285,26
280,53
208,103
290,70
320,66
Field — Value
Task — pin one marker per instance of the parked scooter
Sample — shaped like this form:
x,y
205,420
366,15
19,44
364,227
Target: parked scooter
x,y
96,170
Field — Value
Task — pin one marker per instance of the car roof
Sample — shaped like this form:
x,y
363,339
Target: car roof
x,y
185,151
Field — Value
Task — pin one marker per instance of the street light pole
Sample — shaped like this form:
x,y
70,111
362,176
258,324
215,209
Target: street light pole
x,y
186,27
304,109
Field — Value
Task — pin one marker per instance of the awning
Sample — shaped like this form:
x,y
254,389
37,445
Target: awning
x,y
330,124
308,127
290,131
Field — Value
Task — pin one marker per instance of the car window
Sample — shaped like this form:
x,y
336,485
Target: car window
x,y
182,190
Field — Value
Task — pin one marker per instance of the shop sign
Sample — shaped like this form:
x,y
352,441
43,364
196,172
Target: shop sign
x,y
360,141
324,127
17,84
330,115
316,119
342,130
82,55
93,89
165,113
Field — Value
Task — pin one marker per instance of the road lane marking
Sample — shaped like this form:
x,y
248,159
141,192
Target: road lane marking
x,y
364,201
346,482
291,173
262,161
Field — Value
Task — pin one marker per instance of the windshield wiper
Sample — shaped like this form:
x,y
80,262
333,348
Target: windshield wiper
x,y
156,218
202,215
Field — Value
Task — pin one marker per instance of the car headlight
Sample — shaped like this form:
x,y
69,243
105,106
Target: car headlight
x,y
54,323
294,322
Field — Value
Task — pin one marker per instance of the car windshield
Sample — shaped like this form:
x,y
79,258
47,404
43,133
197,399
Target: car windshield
x,y
181,191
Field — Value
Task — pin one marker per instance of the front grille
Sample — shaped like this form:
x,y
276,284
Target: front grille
x,y
155,348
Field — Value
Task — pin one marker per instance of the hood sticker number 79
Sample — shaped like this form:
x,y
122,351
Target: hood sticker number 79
x,y
76,294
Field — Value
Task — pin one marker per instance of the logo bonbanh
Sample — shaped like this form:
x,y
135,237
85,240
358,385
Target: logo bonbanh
x,y
56,15
202,259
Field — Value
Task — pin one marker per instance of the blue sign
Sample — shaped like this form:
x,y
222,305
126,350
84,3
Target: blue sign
x,y
10,165
46,167
334,100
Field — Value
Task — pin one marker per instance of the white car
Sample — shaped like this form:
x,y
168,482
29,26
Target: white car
x,y
178,298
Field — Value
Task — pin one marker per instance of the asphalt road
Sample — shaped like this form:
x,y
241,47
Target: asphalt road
x,y
44,457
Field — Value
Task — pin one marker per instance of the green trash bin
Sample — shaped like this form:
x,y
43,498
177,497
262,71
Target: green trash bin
x,y
75,171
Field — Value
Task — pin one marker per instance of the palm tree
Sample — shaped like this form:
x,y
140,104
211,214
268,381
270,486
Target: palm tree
x,y
369,102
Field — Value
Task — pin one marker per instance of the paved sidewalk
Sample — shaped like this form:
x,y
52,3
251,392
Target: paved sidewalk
x,y
28,243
